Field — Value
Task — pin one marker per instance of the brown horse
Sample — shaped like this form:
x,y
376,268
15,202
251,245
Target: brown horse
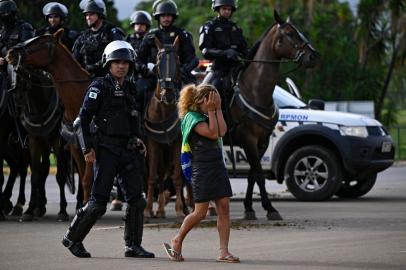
x,y
70,79
162,126
253,110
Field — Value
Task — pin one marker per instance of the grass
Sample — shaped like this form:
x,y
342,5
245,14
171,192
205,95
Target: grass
x,y
398,134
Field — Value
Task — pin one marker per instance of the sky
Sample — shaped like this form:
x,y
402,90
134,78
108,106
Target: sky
x,y
126,7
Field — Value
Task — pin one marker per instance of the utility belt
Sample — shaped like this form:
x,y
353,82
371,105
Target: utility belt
x,y
129,142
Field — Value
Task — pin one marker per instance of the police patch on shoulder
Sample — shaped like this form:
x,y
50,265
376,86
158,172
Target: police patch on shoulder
x,y
93,95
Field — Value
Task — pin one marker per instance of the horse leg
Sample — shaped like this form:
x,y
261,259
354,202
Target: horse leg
x,y
160,212
8,190
44,172
62,174
18,207
35,157
152,176
85,176
178,183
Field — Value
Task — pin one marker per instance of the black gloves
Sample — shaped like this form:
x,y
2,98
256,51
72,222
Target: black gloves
x,y
231,54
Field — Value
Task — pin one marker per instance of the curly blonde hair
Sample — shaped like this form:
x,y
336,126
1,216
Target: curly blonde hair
x,y
191,96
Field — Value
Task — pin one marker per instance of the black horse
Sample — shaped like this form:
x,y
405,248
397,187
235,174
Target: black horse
x,y
40,113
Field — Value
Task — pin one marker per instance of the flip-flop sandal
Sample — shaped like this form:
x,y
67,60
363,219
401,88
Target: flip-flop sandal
x,y
228,259
173,254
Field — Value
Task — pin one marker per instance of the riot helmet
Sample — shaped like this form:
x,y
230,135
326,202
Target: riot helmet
x,y
8,6
141,17
118,50
216,4
94,6
55,8
164,7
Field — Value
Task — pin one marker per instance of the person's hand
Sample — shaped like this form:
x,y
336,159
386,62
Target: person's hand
x,y
90,157
210,102
217,100
2,61
231,54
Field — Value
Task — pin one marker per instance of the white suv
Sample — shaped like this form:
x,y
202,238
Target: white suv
x,y
321,153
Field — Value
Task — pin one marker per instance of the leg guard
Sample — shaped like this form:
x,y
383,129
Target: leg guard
x,y
133,230
84,220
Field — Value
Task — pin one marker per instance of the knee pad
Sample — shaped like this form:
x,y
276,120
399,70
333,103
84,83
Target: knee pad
x,y
95,209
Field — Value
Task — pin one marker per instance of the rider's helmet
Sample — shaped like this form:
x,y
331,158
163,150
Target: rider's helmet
x,y
216,4
164,7
118,50
141,17
55,8
94,6
8,6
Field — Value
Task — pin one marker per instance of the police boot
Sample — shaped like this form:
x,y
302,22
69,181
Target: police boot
x,y
133,230
84,220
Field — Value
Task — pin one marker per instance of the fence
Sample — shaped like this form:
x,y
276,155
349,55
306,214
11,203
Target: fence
x,y
398,134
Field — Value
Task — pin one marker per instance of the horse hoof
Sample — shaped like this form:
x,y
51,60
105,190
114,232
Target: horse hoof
x,y
274,216
62,217
160,214
249,215
17,211
40,211
27,218
8,206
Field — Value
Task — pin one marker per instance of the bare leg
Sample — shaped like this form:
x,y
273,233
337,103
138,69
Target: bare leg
x,y
189,222
223,224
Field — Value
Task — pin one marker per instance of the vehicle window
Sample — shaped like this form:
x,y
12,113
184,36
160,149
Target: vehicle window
x,y
284,99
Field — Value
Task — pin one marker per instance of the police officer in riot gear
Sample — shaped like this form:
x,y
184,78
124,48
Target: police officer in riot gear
x,y
141,22
165,12
12,30
109,131
89,46
55,15
222,41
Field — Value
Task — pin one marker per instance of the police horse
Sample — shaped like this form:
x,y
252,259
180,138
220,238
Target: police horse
x,y
252,109
162,126
71,81
13,152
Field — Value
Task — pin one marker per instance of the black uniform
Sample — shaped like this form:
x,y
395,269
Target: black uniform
x,y
10,35
110,123
187,55
89,46
222,41
68,38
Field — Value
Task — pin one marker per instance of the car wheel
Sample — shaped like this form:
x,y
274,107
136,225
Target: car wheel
x,y
357,188
313,173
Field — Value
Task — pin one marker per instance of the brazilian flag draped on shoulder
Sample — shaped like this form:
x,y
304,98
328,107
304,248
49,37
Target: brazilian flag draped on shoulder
x,y
188,122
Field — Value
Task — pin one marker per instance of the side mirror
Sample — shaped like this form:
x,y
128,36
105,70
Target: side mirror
x,y
316,104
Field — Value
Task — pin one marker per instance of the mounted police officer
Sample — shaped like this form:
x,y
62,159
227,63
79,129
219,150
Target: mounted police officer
x,y
12,30
222,41
141,22
55,15
109,132
89,46
166,12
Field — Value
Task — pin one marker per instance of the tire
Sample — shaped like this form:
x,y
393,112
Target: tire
x,y
357,188
308,183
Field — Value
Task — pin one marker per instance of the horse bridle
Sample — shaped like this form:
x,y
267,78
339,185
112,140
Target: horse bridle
x,y
22,51
300,48
167,80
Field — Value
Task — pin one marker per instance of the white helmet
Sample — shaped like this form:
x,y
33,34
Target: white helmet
x,y
118,50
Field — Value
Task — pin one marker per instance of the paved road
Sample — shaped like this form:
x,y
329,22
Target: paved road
x,y
368,233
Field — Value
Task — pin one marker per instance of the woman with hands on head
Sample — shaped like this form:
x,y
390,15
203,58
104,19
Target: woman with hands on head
x,y
203,125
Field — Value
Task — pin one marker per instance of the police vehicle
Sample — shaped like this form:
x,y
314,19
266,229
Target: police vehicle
x,y
321,153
